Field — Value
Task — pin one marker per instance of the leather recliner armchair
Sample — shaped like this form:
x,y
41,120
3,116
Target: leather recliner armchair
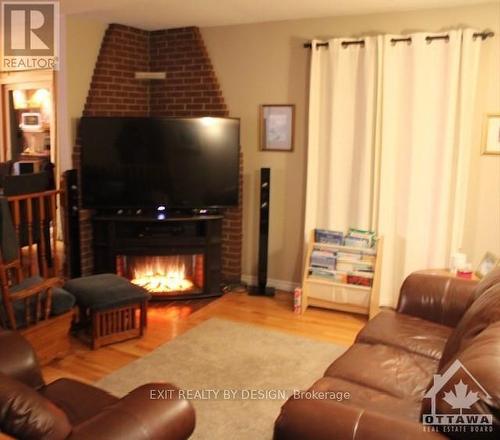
x,y
398,366
68,409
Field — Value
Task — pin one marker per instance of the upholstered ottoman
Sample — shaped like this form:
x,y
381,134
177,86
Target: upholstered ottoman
x,y
111,307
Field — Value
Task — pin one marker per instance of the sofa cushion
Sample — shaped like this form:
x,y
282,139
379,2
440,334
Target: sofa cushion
x,y
391,370
484,311
406,332
480,357
328,419
103,291
488,281
369,398
435,296
137,416
27,415
79,401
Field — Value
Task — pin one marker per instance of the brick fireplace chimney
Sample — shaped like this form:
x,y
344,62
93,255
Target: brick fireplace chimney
x,y
190,88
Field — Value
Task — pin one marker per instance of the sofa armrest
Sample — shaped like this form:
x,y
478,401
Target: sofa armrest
x,y
330,420
18,359
152,411
436,297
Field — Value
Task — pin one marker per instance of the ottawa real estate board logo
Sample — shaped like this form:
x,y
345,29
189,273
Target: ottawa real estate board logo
x,y
30,35
452,398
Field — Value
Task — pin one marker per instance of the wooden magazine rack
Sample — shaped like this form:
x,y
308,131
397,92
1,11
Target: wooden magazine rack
x,y
331,294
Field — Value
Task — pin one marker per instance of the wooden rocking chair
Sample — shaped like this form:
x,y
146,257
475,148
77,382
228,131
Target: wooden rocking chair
x,y
35,294
32,304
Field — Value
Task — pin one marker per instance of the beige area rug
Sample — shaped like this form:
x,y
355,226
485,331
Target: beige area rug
x,y
224,355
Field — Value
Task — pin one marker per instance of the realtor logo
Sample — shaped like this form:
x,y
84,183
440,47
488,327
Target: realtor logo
x,y
30,35
456,398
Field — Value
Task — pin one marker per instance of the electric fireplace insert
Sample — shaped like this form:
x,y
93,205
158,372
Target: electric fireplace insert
x,y
164,276
173,258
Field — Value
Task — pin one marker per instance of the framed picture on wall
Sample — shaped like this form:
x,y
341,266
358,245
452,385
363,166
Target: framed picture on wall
x,y
488,263
277,124
491,134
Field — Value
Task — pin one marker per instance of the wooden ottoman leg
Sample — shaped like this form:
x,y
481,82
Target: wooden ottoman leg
x,y
144,316
95,335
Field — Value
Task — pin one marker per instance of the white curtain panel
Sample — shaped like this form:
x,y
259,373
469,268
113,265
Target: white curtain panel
x,y
469,71
426,115
342,104
390,128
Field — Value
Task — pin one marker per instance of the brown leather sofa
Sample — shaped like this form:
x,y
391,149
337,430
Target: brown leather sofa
x,y
395,361
67,409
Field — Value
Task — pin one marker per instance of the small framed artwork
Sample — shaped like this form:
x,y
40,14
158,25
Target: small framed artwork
x,y
487,264
491,134
277,124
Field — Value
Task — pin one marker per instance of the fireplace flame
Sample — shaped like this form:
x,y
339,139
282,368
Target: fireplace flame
x,y
157,276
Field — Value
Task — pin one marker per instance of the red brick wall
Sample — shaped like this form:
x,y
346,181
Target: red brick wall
x,y
190,89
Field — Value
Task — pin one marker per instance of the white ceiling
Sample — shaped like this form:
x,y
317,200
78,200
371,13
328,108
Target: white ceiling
x,y
160,14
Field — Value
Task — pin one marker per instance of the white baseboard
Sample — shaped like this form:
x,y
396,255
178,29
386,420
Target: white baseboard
x,y
287,286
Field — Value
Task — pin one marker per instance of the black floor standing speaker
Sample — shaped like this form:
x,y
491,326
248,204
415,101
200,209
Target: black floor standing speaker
x,y
265,197
73,223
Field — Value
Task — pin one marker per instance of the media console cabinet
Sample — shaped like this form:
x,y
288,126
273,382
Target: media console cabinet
x,y
119,238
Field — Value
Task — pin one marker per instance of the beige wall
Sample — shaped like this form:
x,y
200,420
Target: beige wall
x,y
83,40
265,64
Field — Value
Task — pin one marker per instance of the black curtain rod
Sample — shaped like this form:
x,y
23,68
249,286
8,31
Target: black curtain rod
x,y
483,35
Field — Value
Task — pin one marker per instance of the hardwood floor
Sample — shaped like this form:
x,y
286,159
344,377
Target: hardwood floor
x,y
166,321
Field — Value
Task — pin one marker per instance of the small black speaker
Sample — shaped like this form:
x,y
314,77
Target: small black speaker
x,y
265,198
73,223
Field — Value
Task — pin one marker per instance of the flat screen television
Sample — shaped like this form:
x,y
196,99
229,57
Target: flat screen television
x,y
183,163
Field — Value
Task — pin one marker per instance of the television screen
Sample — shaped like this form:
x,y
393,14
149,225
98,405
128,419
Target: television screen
x,y
144,162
